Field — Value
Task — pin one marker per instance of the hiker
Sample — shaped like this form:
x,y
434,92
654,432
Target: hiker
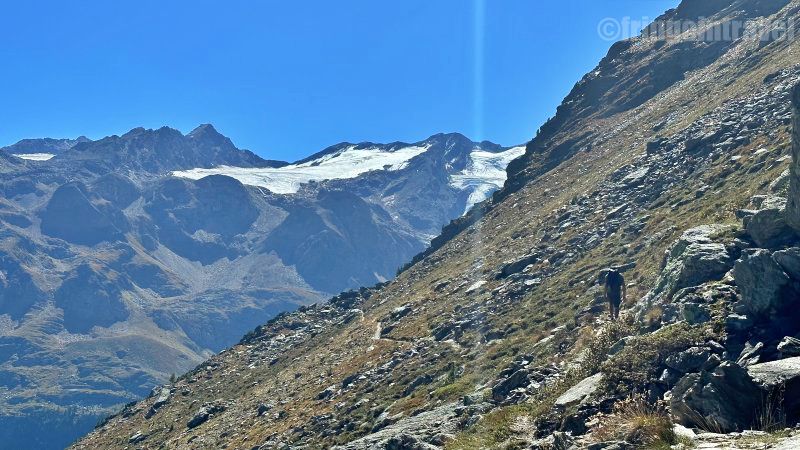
x,y
615,292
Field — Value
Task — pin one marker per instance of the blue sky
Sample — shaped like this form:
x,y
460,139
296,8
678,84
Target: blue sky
x,y
287,78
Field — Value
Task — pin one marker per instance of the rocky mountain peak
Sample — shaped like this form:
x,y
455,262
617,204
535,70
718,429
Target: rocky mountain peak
x,y
455,144
160,151
43,146
207,134
204,129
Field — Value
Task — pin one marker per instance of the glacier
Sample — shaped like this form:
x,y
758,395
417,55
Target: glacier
x,y
484,174
347,163
35,156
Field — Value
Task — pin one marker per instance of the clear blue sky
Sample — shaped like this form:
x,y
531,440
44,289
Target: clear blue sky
x,y
287,78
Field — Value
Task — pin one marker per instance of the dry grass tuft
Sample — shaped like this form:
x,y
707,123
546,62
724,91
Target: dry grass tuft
x,y
636,421
770,416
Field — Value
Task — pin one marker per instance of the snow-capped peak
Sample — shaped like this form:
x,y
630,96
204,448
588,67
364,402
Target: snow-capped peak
x,y
484,166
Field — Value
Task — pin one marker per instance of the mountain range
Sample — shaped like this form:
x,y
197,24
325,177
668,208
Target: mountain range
x,y
675,161
130,258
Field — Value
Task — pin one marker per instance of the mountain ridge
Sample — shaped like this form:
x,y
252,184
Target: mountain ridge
x,y
115,274
494,338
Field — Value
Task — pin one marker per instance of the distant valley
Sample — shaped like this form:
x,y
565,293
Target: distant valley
x,y
133,257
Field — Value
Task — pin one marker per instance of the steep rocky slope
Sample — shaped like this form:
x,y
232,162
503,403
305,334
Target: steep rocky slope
x,y
496,337
114,274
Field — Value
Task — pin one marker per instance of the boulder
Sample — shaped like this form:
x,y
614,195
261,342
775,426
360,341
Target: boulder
x,y
736,323
162,399
511,267
204,413
327,393
751,354
780,185
763,284
518,379
400,312
691,360
777,372
557,440
789,260
789,346
417,382
793,203
137,437
262,409
683,432
790,443
611,445
726,398
782,377
580,392
767,227
695,258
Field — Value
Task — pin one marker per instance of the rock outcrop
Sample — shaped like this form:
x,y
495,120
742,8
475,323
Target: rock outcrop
x,y
793,205
726,398
767,226
782,379
697,257
765,287
580,392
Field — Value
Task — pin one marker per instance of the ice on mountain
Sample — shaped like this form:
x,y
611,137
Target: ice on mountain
x,y
348,163
484,174
35,156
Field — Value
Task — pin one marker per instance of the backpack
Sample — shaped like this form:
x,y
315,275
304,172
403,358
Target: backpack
x,y
614,280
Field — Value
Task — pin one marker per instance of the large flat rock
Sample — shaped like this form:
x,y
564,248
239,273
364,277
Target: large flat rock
x,y
775,372
578,393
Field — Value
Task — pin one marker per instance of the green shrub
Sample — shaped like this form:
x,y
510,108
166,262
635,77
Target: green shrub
x,y
600,343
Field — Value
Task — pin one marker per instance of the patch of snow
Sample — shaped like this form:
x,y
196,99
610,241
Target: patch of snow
x,y
484,174
35,156
348,163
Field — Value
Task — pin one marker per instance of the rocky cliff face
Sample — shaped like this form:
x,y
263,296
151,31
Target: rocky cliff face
x,y
497,337
793,207
114,274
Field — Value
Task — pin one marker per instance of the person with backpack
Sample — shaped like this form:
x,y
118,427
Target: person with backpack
x,y
615,292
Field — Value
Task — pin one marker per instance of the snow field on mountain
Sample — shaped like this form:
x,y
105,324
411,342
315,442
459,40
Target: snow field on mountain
x,y
349,163
35,156
485,173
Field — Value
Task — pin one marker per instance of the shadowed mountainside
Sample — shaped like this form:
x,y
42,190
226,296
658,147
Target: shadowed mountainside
x,y
115,274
